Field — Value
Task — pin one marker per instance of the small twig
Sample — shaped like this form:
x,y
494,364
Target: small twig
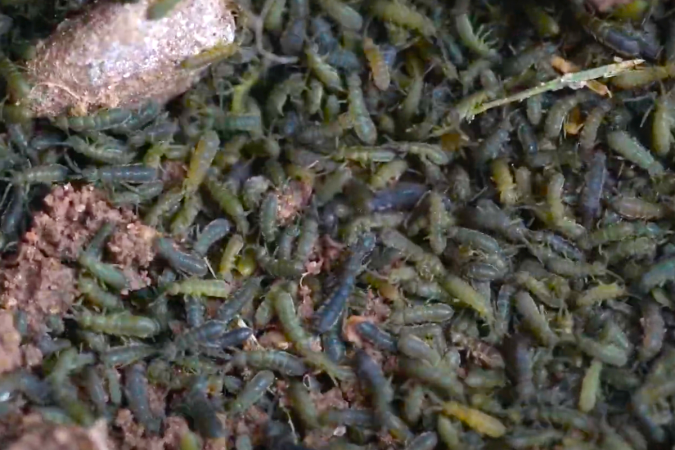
x,y
572,80
259,22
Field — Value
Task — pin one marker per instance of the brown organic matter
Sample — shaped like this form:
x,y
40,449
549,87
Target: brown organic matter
x,y
59,437
292,199
251,423
37,284
10,354
16,422
604,5
32,356
131,434
41,280
113,56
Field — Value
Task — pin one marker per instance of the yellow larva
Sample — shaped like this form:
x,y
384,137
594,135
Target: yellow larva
x,y
600,293
478,420
590,387
378,66
503,178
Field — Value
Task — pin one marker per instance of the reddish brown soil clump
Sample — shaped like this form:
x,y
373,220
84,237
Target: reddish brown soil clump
x,y
131,245
32,356
16,422
10,353
40,280
72,216
37,284
59,437
131,435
